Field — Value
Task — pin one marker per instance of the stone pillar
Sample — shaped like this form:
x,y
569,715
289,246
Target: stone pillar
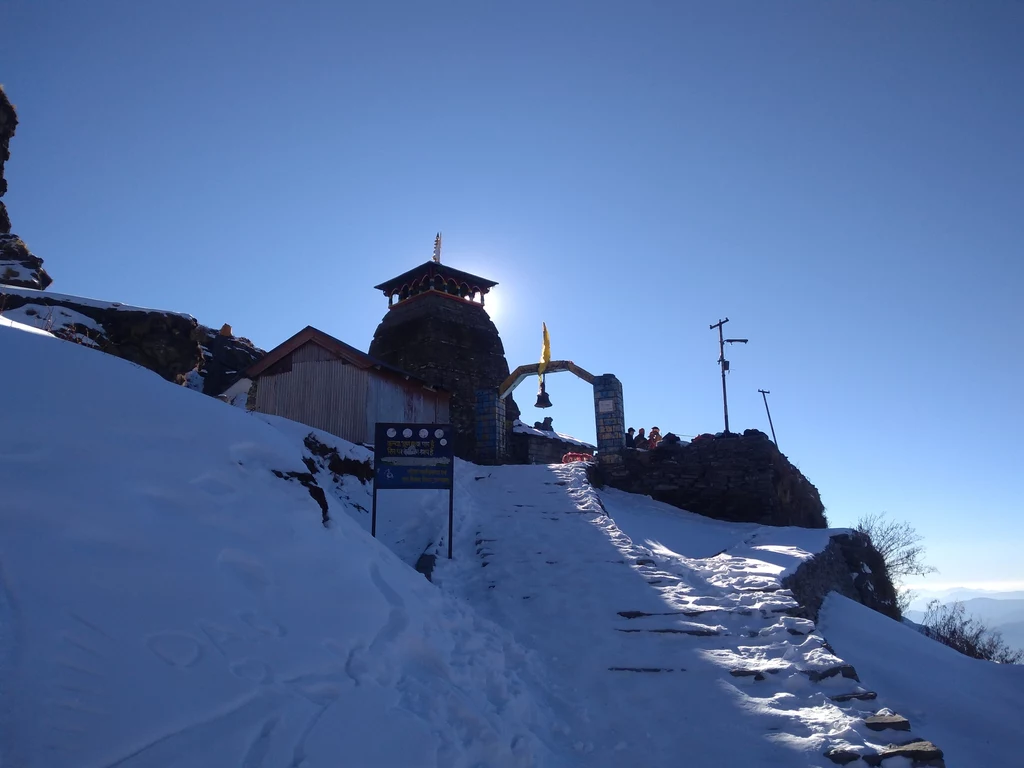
x,y
490,427
611,419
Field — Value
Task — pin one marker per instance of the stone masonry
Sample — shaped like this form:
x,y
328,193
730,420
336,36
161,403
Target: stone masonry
x,y
611,420
452,344
491,431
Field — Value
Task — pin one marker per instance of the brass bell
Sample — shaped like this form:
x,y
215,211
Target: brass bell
x,y
543,401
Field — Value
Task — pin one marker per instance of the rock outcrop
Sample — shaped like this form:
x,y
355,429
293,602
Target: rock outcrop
x,y
739,478
171,344
225,358
18,266
164,342
849,565
8,122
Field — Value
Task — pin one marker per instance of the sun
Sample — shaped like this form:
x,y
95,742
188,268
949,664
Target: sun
x,y
494,306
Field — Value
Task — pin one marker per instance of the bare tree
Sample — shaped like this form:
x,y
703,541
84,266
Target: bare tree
x,y
900,546
950,625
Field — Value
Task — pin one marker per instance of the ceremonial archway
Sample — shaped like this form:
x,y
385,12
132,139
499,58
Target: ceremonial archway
x,y
609,414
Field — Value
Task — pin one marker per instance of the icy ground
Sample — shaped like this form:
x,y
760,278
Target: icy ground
x,y
167,600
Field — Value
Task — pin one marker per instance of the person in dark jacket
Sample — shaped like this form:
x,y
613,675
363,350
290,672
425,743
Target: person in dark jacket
x,y
641,440
630,441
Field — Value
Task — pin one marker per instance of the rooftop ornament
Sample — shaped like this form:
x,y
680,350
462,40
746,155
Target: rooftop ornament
x,y
434,278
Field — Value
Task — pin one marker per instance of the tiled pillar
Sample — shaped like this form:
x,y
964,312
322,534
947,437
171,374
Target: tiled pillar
x,y
611,419
490,427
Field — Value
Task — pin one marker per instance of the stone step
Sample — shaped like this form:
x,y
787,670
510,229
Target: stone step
x,y
675,631
690,612
923,753
757,674
887,723
846,670
858,696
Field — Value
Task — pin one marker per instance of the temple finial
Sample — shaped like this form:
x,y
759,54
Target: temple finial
x,y
437,248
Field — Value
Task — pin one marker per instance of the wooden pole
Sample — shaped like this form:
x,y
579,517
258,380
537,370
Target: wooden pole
x,y
721,363
764,394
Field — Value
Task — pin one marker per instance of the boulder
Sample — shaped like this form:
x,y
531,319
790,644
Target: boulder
x,y
739,478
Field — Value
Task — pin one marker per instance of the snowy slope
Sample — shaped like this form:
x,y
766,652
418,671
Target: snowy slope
x,y
974,707
165,600
665,635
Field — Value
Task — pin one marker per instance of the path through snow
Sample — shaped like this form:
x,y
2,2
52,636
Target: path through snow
x,y
659,650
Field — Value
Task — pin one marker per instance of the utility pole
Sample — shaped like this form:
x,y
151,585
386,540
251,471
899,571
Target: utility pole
x,y
764,394
725,364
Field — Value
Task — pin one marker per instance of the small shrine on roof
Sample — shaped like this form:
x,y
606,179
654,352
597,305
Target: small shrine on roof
x,y
433,277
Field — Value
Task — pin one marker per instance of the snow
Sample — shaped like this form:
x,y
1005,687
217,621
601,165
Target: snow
x,y
973,707
653,625
518,426
12,271
7,322
238,393
167,600
32,293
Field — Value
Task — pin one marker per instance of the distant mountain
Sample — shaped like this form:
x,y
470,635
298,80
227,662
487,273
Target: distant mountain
x,y
924,596
1005,615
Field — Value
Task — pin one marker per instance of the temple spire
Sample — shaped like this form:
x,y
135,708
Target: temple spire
x,y
437,249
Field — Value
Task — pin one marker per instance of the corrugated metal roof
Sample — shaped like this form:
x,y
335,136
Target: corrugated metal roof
x,y
337,347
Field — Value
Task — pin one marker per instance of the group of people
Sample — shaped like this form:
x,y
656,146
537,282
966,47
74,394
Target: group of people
x,y
642,441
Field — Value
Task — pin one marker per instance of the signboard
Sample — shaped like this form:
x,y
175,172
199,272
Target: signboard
x,y
414,457
605,406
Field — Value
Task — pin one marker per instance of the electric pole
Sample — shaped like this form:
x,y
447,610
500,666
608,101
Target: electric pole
x,y
725,364
764,394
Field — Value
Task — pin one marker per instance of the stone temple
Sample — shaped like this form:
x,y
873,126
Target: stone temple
x,y
437,329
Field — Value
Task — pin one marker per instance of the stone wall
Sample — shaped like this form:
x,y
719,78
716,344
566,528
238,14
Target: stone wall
x,y
742,478
451,344
490,428
849,565
534,449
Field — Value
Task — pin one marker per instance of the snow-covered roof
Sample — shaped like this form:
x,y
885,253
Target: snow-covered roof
x,y
522,429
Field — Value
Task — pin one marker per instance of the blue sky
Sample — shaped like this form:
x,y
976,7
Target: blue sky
x,y
844,180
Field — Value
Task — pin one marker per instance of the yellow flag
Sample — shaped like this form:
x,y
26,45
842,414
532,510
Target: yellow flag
x,y
545,352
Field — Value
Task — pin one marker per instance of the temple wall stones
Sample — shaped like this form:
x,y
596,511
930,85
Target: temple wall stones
x,y
610,417
452,344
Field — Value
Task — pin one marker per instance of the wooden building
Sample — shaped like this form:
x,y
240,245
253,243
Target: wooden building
x,y
318,380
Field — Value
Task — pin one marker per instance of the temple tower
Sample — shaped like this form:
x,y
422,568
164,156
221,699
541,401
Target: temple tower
x,y
436,328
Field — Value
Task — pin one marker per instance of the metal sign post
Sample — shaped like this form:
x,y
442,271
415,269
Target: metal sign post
x,y
414,457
